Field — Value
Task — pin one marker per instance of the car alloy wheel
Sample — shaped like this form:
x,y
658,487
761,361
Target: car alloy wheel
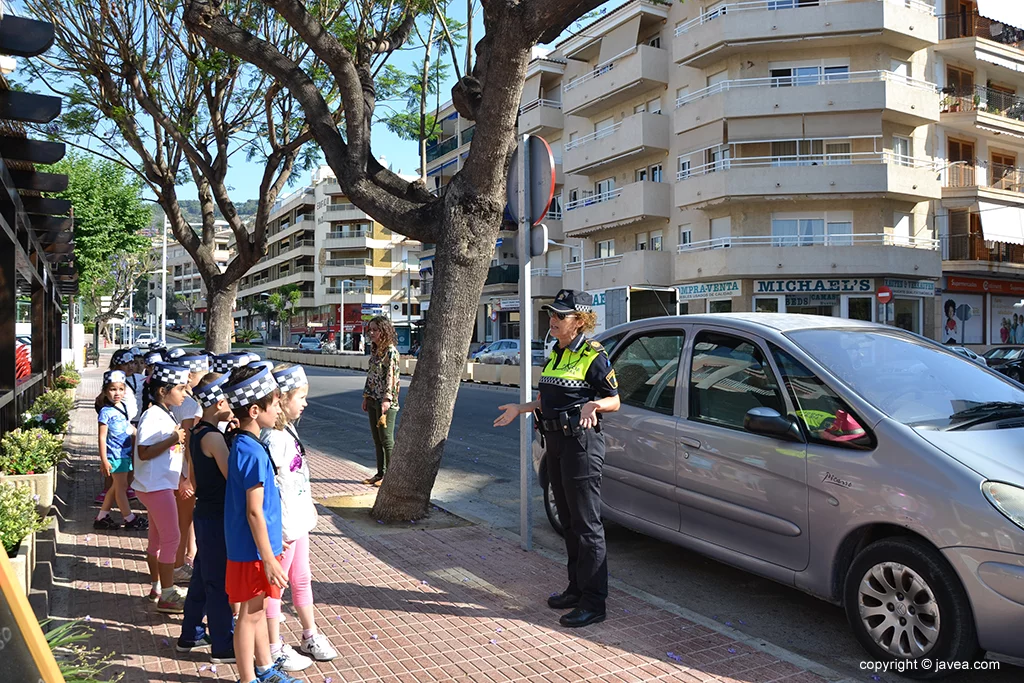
x,y
899,610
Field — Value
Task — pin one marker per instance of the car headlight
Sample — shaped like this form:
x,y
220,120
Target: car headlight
x,y
1006,498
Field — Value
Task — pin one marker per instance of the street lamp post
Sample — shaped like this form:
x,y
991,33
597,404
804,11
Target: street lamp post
x,y
583,262
163,284
341,326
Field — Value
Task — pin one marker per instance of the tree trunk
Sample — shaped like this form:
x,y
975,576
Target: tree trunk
x,y
220,324
461,266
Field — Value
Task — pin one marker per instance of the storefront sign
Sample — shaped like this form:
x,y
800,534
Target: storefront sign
x,y
710,290
812,300
508,304
982,286
839,285
925,288
962,319
1006,320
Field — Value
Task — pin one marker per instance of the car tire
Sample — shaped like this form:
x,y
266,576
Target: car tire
x,y
550,509
875,592
508,361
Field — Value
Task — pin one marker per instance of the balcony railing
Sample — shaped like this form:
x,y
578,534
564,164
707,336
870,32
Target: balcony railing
x,y
467,135
598,70
841,240
848,159
341,234
348,262
596,135
975,248
359,289
502,275
963,25
762,5
530,106
546,272
438,150
801,80
341,209
981,98
594,199
426,286
592,263
554,214
1004,177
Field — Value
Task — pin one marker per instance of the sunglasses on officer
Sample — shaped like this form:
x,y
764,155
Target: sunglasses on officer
x,y
563,316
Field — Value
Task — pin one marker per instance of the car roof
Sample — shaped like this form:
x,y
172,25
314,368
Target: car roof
x,y
752,322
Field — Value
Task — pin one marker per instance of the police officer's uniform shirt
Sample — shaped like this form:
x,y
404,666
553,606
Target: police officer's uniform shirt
x,y
575,375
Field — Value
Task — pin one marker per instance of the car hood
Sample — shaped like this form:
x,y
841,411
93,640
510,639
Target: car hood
x,y
996,454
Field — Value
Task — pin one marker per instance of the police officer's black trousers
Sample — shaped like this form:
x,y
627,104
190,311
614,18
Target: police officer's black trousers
x,y
574,465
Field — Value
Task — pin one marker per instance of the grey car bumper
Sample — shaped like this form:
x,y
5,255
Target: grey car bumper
x,y
995,586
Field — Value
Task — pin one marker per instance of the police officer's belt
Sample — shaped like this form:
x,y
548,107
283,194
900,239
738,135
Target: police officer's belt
x,y
551,426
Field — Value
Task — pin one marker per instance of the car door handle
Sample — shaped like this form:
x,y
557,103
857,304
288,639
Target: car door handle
x,y
687,441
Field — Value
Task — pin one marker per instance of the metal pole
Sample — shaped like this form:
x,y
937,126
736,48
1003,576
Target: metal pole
x,y
163,285
131,319
525,351
341,328
583,268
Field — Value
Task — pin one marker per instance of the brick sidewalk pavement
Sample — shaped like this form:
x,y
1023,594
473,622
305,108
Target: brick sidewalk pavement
x,y
456,604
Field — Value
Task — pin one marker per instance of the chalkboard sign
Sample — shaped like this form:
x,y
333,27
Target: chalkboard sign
x,y
24,652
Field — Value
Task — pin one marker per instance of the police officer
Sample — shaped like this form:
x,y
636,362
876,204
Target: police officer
x,y
576,385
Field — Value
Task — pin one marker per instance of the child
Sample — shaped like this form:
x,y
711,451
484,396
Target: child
x,y
115,447
151,359
206,592
252,520
298,518
198,364
120,360
157,476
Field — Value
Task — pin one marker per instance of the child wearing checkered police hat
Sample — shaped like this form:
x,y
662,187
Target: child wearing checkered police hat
x,y
160,453
298,518
116,435
252,517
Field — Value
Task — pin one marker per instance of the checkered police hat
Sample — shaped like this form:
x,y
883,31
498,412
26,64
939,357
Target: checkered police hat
x,y
196,363
170,374
111,376
226,362
136,351
253,389
122,356
291,378
154,357
174,354
213,392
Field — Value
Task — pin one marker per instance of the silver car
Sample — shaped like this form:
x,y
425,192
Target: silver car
x,y
867,466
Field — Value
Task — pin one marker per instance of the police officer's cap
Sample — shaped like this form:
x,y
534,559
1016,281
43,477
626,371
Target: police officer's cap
x,y
571,301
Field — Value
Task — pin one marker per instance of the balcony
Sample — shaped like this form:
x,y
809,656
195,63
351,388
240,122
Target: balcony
x,y
965,185
295,275
778,25
466,136
502,275
853,255
900,99
540,117
631,204
636,135
634,267
343,212
354,239
973,255
984,111
634,72
439,149
546,282
843,176
351,266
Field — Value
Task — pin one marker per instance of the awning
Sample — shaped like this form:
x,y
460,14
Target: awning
x,y
999,131
999,60
620,39
1001,223
1011,13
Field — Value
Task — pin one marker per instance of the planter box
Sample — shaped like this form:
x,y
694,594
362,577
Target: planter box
x,y
509,375
467,374
42,485
409,367
488,374
22,566
70,393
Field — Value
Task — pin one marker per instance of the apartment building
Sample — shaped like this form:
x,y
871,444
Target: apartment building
x,y
183,279
341,260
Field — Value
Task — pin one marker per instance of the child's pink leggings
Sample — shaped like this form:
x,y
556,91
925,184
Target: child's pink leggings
x,y
163,524
296,565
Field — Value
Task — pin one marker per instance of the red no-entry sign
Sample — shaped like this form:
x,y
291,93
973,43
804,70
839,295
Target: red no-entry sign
x,y
884,295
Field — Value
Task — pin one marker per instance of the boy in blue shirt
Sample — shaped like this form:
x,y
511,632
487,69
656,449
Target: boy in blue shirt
x,y
252,521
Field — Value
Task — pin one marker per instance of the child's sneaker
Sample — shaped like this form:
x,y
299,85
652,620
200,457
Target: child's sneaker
x,y
106,523
318,647
172,601
183,574
276,676
227,657
140,523
193,645
290,660
154,595
131,494
100,497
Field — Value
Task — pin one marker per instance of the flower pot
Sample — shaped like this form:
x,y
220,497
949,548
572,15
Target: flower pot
x,y
70,393
13,552
21,566
42,485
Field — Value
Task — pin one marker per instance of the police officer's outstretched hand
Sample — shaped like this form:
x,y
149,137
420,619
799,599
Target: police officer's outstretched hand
x,y
588,415
510,411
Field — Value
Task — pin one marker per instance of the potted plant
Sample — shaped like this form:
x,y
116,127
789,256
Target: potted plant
x,y
51,411
30,456
67,382
18,520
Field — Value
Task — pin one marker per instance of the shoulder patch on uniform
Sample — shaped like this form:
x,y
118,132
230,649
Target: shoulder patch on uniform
x,y
612,380
596,345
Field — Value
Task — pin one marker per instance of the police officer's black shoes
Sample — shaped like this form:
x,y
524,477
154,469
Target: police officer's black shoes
x,y
563,601
581,617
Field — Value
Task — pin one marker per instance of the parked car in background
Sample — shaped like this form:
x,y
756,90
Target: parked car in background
x,y
475,355
1002,354
506,352
865,465
258,338
309,344
144,338
967,353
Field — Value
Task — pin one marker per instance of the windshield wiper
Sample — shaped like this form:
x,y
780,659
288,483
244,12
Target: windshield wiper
x,y
984,412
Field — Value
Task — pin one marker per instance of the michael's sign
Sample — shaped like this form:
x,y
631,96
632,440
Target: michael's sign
x,y
838,285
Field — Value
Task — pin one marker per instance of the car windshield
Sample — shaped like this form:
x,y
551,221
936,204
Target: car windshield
x,y
538,345
905,377
1004,354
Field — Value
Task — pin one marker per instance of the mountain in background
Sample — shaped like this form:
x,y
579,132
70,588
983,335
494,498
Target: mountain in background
x,y
190,208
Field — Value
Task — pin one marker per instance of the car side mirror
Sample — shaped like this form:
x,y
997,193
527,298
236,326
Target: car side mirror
x,y
768,422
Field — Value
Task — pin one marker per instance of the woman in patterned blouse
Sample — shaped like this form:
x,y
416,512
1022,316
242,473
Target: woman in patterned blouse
x,y
380,396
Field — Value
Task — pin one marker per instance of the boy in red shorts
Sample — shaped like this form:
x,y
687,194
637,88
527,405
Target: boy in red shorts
x,y
252,521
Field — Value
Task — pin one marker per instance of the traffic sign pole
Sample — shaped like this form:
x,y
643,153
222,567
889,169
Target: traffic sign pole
x,y
526,220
